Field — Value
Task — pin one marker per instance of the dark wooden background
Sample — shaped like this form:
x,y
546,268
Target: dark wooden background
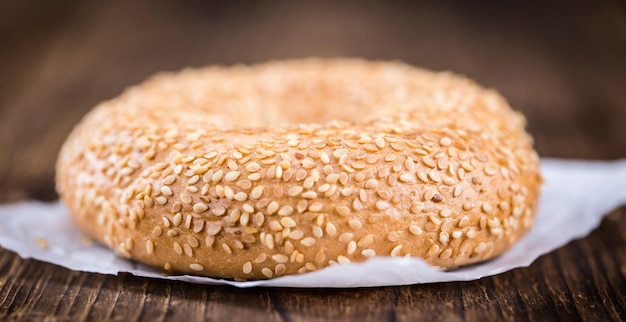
x,y
562,63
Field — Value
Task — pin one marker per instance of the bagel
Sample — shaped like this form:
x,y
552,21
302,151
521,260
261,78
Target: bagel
x,y
285,167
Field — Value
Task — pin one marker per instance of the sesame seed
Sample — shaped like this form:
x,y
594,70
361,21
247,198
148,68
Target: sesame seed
x,y
227,248
267,272
302,206
200,208
393,236
396,251
331,229
161,200
481,247
429,194
351,247
434,249
300,175
244,184
177,248
169,180
468,206
415,230
294,191
308,241
260,258
422,176
247,267
490,171
343,210
365,241
444,237
354,224
253,167
166,191
148,201
212,230
429,162
280,258
381,205
188,250
380,142
467,166
332,178
319,219
178,218
269,241
218,211
318,232
296,234
434,219
185,198
324,157
193,180
494,222
371,184
309,195
196,267
231,176
375,218
406,178
437,198
308,163
275,225
149,247
463,222
343,260
256,192
272,207
434,176
368,253
315,207
241,196
217,176
208,241
345,237
285,211
287,222
244,218
486,207
308,183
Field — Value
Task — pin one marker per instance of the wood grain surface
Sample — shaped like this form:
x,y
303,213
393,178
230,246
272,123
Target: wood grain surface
x,y
563,64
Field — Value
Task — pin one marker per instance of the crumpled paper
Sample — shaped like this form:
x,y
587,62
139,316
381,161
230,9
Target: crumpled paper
x,y
575,197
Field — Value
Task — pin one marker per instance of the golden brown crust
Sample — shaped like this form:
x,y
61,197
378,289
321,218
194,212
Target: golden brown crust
x,y
291,166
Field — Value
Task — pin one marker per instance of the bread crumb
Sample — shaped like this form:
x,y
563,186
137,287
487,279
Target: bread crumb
x,y
42,243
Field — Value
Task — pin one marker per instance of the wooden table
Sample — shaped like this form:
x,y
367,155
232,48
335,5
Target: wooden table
x,y
562,64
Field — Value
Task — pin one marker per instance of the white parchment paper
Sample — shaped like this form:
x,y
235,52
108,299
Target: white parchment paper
x,y
576,195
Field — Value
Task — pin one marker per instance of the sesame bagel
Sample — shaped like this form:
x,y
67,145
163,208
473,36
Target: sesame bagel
x,y
252,172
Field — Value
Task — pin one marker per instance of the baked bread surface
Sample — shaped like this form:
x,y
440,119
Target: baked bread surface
x,y
252,172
